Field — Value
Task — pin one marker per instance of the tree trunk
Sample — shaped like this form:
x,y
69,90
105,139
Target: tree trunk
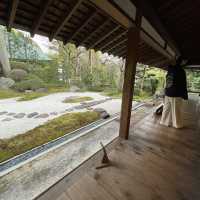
x,y
121,78
90,60
142,82
4,60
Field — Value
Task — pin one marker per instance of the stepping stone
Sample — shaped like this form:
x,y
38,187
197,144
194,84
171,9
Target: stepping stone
x,y
20,115
69,109
11,114
32,114
53,113
4,112
43,115
7,120
80,107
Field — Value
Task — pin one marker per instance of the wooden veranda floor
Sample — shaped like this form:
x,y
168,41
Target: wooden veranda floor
x,y
156,163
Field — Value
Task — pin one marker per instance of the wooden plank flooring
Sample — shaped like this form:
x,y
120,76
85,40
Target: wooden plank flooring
x,y
156,163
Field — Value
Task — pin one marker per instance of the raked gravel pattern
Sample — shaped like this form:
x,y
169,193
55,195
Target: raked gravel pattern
x,y
18,117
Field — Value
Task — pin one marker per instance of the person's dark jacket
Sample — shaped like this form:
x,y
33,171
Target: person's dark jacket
x,y
176,85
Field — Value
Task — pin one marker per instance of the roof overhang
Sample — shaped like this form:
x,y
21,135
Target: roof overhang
x,y
98,24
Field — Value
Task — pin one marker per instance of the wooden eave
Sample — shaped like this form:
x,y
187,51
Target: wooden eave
x,y
102,25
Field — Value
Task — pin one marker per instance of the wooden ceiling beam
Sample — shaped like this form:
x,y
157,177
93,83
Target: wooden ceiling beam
x,y
11,13
106,44
88,19
104,36
154,60
94,32
65,18
42,11
150,14
108,8
163,63
112,10
116,45
119,50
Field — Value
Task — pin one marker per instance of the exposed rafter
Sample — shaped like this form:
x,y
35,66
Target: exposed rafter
x,y
119,50
88,19
42,11
65,18
163,63
11,13
156,60
122,55
105,45
95,31
149,12
104,36
116,45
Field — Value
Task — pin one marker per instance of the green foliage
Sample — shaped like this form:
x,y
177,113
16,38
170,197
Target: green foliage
x,y
8,93
31,96
87,69
114,93
31,82
21,46
45,133
142,96
193,80
22,65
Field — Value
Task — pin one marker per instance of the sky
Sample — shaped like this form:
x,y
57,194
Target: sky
x,y
43,42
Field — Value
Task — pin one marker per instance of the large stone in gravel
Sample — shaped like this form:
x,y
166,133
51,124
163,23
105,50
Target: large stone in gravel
x,y
11,114
6,83
18,74
79,107
7,119
69,109
32,114
43,115
53,113
103,113
74,88
3,113
20,115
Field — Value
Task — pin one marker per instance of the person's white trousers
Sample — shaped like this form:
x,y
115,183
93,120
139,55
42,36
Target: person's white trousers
x,y
172,112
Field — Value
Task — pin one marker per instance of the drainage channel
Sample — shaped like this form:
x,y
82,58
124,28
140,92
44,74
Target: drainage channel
x,y
19,160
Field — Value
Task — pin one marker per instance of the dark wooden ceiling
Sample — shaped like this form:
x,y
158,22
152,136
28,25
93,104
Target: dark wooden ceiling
x,y
181,19
76,21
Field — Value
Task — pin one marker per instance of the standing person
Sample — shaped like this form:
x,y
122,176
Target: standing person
x,y
175,92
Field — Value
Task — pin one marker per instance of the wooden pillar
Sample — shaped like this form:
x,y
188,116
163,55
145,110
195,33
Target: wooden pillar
x,y
129,77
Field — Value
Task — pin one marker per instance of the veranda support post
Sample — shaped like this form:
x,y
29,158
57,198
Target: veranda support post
x,y
129,77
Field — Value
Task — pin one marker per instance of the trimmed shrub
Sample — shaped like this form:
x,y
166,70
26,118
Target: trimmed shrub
x,y
31,82
21,65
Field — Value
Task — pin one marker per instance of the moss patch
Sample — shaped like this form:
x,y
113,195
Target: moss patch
x,y
7,93
113,93
45,133
77,99
31,95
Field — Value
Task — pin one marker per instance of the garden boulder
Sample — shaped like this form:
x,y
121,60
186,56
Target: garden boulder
x,y
103,113
42,90
74,88
18,74
6,83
